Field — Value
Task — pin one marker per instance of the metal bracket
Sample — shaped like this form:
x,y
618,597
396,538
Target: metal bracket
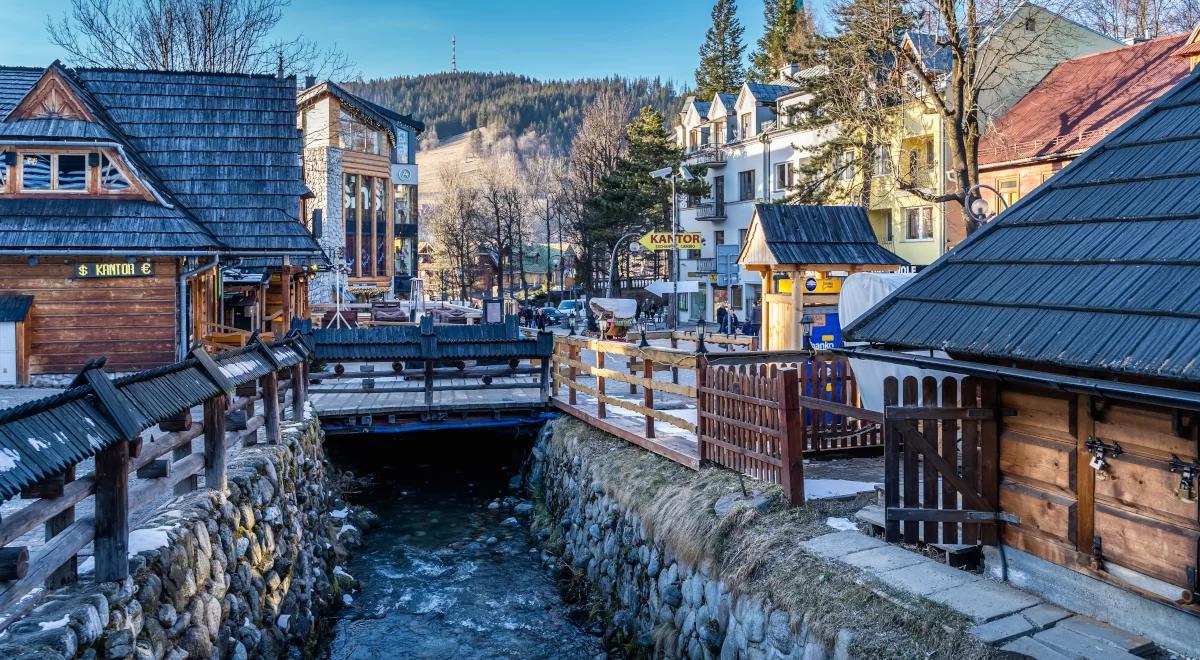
x,y
1187,478
1097,407
1100,452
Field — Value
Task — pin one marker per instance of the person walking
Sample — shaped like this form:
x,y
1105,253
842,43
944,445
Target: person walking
x,y
722,320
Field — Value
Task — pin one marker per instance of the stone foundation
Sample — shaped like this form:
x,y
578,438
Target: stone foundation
x,y
653,598
237,575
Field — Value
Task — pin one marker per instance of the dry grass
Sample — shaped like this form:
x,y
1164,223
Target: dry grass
x,y
759,551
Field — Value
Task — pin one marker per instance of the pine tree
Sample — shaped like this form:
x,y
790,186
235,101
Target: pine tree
x,y
779,21
721,68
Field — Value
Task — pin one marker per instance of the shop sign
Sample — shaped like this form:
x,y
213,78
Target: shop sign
x,y
661,240
92,270
821,285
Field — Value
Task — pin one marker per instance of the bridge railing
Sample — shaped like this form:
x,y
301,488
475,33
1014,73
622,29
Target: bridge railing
x,y
109,421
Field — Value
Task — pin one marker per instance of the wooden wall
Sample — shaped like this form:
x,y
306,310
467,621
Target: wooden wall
x,y
131,320
1140,522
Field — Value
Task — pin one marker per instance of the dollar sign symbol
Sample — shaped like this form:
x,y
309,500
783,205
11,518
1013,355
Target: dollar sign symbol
x,y
82,270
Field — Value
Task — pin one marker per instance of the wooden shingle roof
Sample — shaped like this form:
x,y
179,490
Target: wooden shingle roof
x,y
221,150
1098,269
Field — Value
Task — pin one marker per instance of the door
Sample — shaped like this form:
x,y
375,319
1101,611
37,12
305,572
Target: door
x,y
8,353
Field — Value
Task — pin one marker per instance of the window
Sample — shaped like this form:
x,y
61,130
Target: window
x,y
693,200
350,204
785,176
742,236
71,172
845,166
4,156
364,227
695,138
747,121
681,301
718,193
111,177
720,132
35,172
918,223
889,231
746,185
719,237
883,160
1010,191
381,242
357,136
735,297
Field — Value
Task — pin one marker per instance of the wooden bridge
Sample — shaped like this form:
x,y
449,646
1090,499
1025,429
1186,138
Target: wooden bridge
x,y
401,378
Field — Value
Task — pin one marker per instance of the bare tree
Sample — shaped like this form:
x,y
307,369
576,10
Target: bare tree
x,y
219,36
594,154
454,227
1138,19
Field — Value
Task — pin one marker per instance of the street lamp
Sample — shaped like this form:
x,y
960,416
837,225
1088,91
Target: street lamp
x,y
612,262
976,207
806,323
668,173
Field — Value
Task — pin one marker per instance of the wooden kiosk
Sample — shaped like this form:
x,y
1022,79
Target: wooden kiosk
x,y
797,249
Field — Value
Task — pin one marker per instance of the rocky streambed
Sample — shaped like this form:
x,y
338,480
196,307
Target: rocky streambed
x,y
451,570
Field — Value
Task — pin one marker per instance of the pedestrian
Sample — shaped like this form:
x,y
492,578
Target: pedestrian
x,y
540,316
756,317
733,322
722,320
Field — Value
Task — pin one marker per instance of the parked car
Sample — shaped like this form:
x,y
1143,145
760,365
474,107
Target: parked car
x,y
552,315
569,309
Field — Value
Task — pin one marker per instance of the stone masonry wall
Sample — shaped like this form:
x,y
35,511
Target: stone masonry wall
x,y
237,575
656,600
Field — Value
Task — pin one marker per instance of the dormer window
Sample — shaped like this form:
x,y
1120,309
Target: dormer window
x,y
66,172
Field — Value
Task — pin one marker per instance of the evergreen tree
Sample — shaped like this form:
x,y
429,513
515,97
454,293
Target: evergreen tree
x,y
772,53
721,68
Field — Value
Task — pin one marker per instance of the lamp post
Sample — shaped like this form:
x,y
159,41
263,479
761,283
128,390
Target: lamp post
x,y
806,323
612,262
669,173
976,208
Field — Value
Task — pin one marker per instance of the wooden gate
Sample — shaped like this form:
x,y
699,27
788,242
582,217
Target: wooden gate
x,y
941,461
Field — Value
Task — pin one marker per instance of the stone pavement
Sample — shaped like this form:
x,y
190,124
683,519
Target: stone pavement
x,y
15,396
1012,619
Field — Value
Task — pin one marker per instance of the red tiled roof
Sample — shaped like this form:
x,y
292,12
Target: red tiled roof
x,y
1082,100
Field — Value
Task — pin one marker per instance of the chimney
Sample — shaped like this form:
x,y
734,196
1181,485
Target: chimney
x,y
309,81
788,73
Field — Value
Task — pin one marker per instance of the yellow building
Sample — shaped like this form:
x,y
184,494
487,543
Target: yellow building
x,y
1016,53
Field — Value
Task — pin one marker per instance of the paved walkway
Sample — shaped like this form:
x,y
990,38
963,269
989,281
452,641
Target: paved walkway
x,y
1012,619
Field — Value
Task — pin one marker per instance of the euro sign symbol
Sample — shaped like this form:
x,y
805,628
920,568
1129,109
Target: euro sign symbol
x,y
145,268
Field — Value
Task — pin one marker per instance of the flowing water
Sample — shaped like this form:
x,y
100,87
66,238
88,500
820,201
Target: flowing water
x,y
445,576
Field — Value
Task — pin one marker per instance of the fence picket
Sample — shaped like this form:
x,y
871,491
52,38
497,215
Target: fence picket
x,y
950,453
912,478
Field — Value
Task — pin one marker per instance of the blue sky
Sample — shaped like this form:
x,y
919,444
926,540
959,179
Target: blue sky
x,y
541,38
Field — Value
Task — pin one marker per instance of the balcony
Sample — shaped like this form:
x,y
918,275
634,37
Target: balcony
x,y
706,266
709,156
711,212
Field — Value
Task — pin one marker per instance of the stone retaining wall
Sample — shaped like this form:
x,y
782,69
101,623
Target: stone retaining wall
x,y
655,599
245,574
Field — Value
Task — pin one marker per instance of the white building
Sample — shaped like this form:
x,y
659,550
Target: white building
x,y
752,150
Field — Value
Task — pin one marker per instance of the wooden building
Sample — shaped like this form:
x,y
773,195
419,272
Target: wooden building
x,y
122,196
803,252
1081,303
360,163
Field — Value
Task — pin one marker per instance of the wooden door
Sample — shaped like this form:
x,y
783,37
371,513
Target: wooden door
x,y
779,331
8,353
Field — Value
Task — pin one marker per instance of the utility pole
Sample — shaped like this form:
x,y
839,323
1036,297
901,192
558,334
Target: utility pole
x,y
453,53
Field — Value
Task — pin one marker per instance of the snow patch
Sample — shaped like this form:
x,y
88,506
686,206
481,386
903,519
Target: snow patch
x,y
347,600
821,489
56,624
37,444
142,540
340,514
282,621
346,528
8,459
841,524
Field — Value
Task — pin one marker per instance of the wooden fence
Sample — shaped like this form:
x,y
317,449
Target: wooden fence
x,y
109,420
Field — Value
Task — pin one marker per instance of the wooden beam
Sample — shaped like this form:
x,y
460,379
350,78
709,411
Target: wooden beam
x,y
270,389
214,443
112,513
14,562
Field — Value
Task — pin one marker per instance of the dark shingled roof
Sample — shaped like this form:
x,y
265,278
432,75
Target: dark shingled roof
x,y
769,93
14,308
818,234
220,150
1098,269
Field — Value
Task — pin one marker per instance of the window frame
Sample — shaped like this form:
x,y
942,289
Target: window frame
x,y
94,160
746,192
788,178
925,210
1010,197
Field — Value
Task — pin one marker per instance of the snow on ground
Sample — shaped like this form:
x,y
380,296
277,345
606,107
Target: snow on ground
x,y
841,524
141,540
821,489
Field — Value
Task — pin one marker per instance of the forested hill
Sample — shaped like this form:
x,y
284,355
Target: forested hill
x,y
454,103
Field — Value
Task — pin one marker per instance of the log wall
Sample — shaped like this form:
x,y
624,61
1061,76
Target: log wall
x,y
1130,516
131,320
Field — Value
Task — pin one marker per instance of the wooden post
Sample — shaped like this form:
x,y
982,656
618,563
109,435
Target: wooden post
x,y
648,394
285,293
544,368
702,405
428,386
68,572
214,443
112,512
270,399
299,392
601,409
791,443
675,344
989,468
891,462
572,372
